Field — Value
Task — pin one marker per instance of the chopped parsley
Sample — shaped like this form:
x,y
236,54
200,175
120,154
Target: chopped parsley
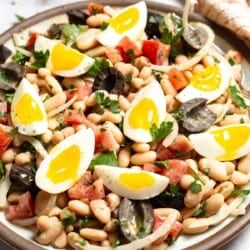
x,y
40,59
104,26
4,77
2,171
82,242
106,158
173,190
14,131
9,97
196,175
20,58
69,218
128,79
19,17
161,132
195,187
131,55
158,75
231,61
178,114
164,164
98,66
71,32
201,211
241,191
106,102
235,95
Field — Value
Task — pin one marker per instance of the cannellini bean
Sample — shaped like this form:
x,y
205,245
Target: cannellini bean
x,y
57,137
14,197
213,204
124,157
72,82
118,135
230,167
93,234
237,110
97,51
197,68
141,158
112,225
68,131
9,155
91,100
127,69
23,158
224,188
113,200
137,82
53,85
208,60
55,101
94,118
111,117
235,119
55,211
188,212
79,207
140,147
87,39
141,61
167,87
43,223
239,178
188,74
53,123
188,229
73,238
145,73
181,59
165,212
101,210
47,136
60,241
192,199
244,166
161,246
43,72
186,180
97,20
123,102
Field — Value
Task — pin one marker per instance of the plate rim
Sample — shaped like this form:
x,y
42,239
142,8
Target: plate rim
x,y
214,241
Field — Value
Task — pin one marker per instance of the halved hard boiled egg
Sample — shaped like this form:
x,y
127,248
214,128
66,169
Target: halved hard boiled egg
x,y
130,21
27,110
132,183
210,83
66,162
223,143
63,61
147,108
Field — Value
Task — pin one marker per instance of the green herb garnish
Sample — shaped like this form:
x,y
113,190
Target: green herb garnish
x,y
40,59
161,132
69,218
98,66
196,175
4,77
201,211
71,32
20,58
104,26
241,191
164,164
106,158
20,18
195,187
9,97
235,95
2,171
82,243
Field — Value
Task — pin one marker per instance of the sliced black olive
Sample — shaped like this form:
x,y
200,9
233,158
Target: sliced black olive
x,y
109,79
4,53
196,116
10,74
77,17
135,218
153,23
23,178
55,31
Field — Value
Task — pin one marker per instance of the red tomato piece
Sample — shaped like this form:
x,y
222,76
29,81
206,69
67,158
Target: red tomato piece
x,y
113,55
128,49
95,191
181,145
176,230
164,153
177,78
3,112
73,116
5,140
155,51
24,209
95,8
151,168
80,92
176,169
31,41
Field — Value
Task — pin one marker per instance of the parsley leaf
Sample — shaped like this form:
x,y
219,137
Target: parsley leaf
x,y
19,17
173,189
82,242
20,58
195,187
71,32
161,132
14,132
98,66
231,61
201,211
235,95
163,163
2,171
69,218
104,26
4,77
40,59
178,114
106,102
9,97
196,175
106,158
241,191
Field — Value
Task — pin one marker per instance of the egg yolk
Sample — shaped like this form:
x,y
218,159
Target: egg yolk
x,y
28,110
231,139
125,21
207,80
64,58
144,115
136,180
65,165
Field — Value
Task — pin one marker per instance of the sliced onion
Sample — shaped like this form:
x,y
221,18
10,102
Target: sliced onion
x,y
140,243
25,222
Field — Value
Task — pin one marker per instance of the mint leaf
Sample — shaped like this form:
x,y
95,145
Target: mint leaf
x,y
105,158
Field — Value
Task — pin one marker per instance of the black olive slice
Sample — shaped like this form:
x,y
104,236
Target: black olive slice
x,y
4,53
55,31
196,116
109,79
77,17
135,218
153,23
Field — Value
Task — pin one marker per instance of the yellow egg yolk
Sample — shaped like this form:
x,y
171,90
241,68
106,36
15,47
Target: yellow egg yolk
x,y
144,115
64,58
207,80
28,110
136,180
65,165
231,139
125,20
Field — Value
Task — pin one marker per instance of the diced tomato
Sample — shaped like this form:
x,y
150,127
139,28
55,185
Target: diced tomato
x,y
87,189
152,168
74,117
176,230
163,153
24,209
5,140
175,170
31,41
104,140
113,55
155,51
80,92
95,8
177,78
128,49
3,112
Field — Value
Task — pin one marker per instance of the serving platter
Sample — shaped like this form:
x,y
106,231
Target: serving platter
x,y
216,236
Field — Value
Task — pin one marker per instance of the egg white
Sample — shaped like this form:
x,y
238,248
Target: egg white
x,y
109,37
36,127
190,92
110,176
154,92
86,141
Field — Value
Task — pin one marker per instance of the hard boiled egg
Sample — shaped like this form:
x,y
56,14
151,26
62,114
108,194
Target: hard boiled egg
x,y
66,162
130,22
132,183
147,108
27,110
210,83
63,61
223,143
